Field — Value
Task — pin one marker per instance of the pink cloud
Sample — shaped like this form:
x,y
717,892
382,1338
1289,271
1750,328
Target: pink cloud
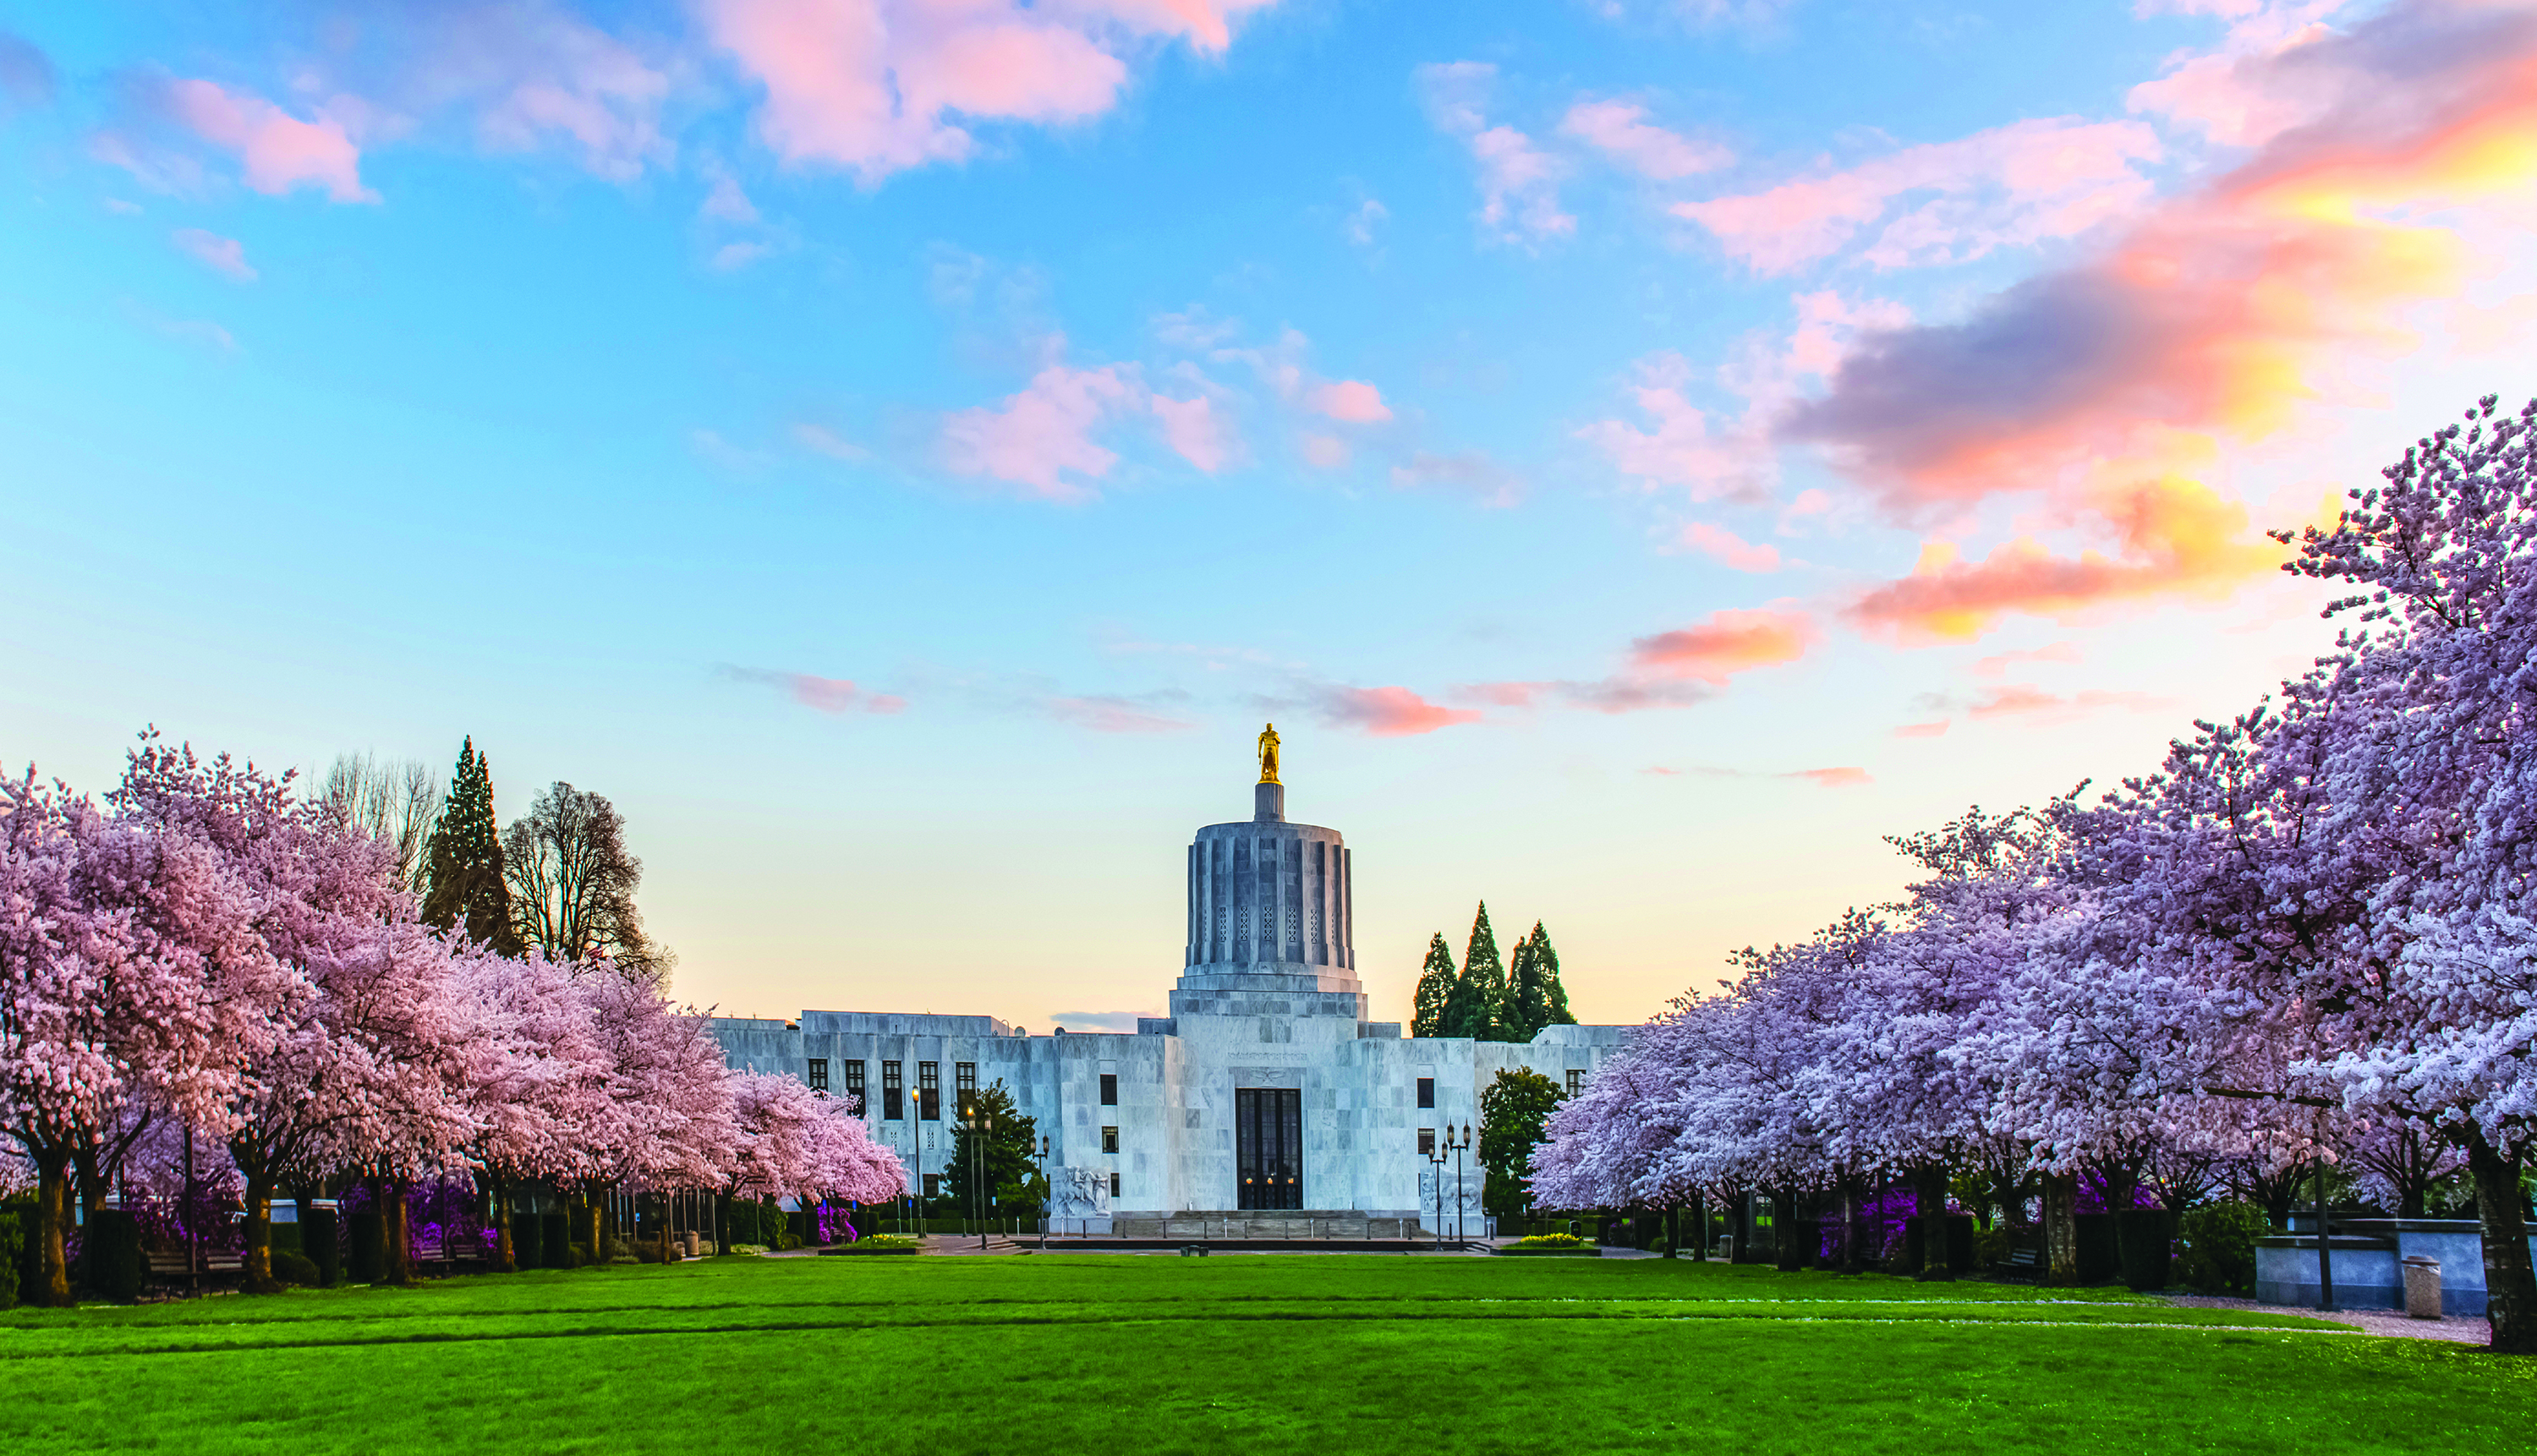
x,y
830,695
1325,452
1193,429
554,75
1040,435
1518,181
1620,131
1937,730
1729,550
1728,643
2018,699
221,254
1836,778
1387,711
277,152
1999,663
873,85
1351,401
2011,186
1105,714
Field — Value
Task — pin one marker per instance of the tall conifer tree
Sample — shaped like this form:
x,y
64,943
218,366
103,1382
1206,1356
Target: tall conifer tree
x,y
464,860
1479,992
1435,989
1534,997
1545,959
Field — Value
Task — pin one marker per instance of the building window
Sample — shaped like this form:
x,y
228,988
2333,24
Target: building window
x,y
1427,1141
934,1185
893,1093
1426,1092
1575,1082
1109,1140
1109,1089
929,1090
964,1087
855,1083
1114,1186
818,1074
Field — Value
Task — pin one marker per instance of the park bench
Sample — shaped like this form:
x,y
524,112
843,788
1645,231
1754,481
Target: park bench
x,y
170,1266
2022,1266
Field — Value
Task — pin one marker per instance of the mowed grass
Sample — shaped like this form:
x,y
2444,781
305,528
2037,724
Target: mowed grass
x,y
1267,1353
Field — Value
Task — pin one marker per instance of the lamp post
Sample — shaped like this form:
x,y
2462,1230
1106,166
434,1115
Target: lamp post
x,y
1039,1162
1437,1158
1460,1149
980,1125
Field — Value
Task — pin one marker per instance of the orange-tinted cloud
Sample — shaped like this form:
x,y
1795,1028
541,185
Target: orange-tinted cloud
x,y
1937,730
1728,643
2177,538
1387,711
1999,663
874,85
2211,316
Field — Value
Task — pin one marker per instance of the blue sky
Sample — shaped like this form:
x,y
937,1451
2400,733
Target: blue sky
x,y
1639,453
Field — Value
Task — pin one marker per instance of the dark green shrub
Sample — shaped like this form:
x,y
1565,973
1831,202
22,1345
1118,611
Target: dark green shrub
x,y
318,1241
110,1259
1993,1245
555,1241
15,1235
2216,1246
290,1266
527,1251
579,1257
368,1259
2140,1237
2100,1256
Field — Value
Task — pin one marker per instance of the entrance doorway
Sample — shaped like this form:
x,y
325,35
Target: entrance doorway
x,y
1269,1147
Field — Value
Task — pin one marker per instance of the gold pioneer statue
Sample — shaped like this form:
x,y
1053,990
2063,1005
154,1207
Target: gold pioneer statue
x,y
1268,754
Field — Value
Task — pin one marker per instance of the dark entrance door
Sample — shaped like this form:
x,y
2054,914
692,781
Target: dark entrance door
x,y
1268,1146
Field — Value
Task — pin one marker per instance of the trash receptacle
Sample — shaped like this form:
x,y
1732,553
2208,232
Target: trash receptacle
x,y
2421,1287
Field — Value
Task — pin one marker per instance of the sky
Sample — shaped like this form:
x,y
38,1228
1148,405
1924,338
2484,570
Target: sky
x,y
1641,453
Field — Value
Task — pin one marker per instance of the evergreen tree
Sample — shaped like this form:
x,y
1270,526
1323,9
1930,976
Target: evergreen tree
x,y
463,862
1008,1140
1435,989
1546,965
1534,997
1479,992
1514,1108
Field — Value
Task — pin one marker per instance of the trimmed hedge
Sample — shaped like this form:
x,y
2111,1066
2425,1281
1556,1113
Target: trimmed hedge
x,y
323,1245
1513,1251
110,1258
290,1266
16,1233
368,1262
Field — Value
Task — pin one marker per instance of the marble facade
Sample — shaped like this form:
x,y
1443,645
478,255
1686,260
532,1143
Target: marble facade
x,y
1268,1014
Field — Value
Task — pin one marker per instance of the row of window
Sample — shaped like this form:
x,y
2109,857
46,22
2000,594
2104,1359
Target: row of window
x,y
928,1090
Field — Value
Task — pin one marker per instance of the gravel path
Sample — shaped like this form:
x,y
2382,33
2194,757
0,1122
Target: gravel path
x,y
2390,1322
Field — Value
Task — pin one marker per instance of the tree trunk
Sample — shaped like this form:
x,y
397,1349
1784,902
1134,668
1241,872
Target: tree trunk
x,y
1851,1251
2062,1227
1700,1225
1929,1205
502,1260
259,1234
52,1226
397,1231
665,1226
2510,1287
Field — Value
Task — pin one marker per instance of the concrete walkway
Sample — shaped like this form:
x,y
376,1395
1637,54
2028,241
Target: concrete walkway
x,y
2390,1322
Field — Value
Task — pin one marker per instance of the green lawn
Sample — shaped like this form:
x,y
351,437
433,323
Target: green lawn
x,y
1266,1353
